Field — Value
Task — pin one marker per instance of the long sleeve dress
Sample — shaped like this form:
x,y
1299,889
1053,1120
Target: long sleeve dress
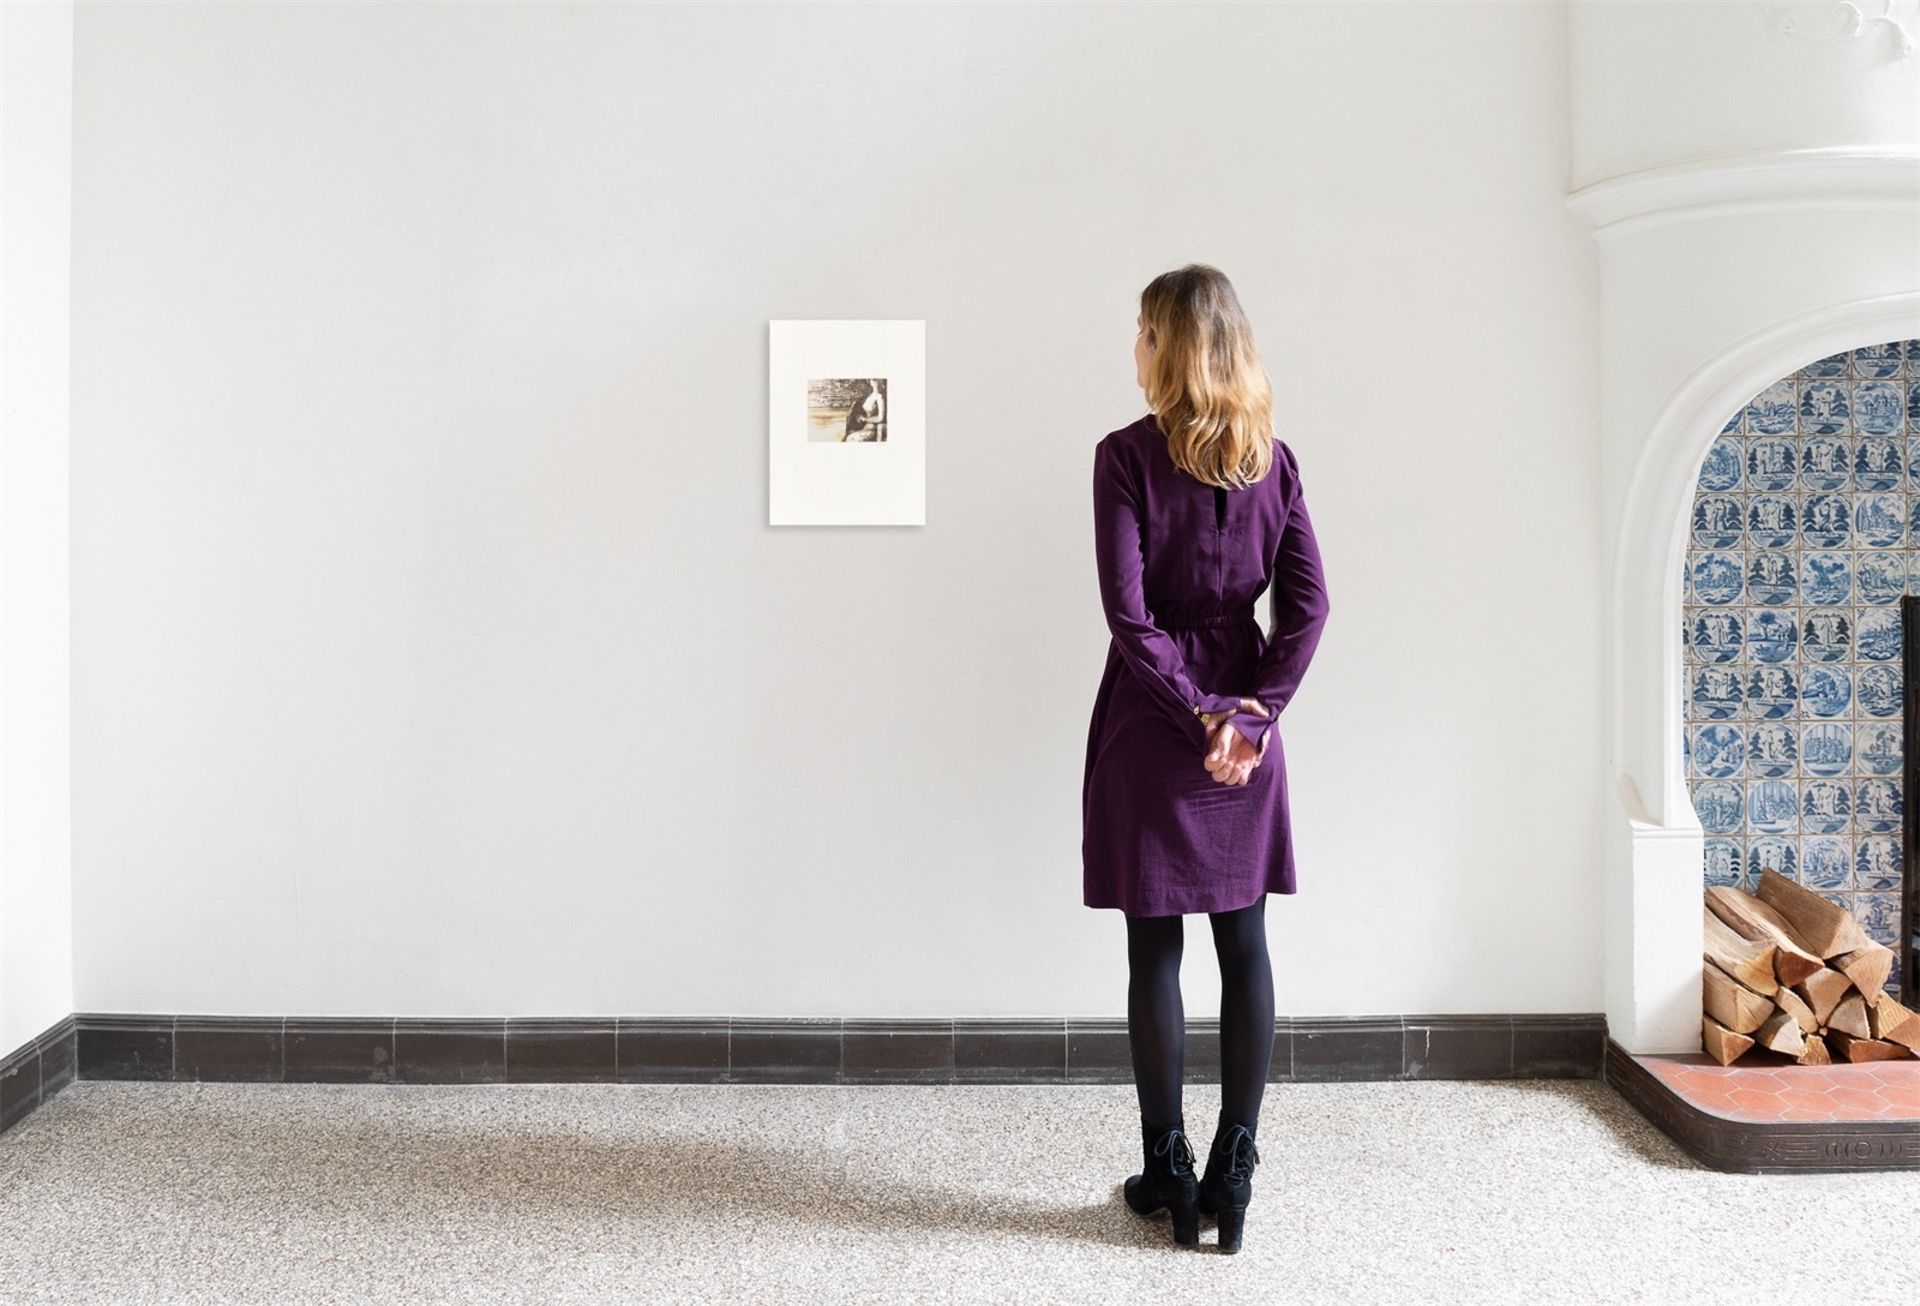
x,y
1181,565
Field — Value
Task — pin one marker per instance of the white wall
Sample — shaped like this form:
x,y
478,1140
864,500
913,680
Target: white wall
x,y
432,654
36,104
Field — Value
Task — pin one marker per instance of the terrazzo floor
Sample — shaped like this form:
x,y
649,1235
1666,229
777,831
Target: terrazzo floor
x,y
1421,1191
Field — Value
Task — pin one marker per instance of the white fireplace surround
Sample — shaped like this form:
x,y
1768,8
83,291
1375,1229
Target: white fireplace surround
x,y
1654,882
1718,277
1752,176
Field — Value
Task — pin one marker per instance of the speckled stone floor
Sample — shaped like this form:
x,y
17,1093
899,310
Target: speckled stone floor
x,y
1425,1191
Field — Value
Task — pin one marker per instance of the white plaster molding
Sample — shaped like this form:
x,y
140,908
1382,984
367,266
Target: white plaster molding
x,y
1846,177
1845,21
1682,824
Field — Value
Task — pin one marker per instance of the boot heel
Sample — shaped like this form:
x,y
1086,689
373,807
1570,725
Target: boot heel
x,y
1186,1220
1227,1186
1233,1223
1167,1183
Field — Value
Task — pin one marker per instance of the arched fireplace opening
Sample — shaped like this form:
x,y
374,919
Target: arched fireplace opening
x,y
1798,587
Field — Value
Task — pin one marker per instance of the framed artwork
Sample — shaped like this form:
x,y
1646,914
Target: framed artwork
x,y
847,422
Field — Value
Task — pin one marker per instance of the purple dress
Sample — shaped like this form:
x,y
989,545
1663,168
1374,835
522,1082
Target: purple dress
x,y
1181,565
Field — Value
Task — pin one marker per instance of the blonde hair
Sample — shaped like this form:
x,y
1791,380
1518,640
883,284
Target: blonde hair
x,y
1205,382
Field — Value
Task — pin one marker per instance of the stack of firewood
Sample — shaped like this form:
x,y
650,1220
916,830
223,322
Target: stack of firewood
x,y
1790,970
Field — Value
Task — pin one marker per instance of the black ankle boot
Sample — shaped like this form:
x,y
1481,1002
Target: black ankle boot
x,y
1167,1180
1227,1186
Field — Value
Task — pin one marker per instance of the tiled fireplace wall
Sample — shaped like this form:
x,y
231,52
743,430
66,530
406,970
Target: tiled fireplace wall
x,y
1805,535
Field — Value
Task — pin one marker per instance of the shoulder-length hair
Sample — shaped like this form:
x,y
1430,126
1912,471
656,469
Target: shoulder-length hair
x,y
1205,383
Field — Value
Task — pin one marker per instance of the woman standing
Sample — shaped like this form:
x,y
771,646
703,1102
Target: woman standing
x,y
1197,509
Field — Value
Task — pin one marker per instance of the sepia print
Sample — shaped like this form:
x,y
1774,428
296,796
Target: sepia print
x,y
847,411
833,382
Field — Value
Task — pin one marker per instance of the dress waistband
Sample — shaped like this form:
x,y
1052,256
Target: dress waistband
x,y
1176,614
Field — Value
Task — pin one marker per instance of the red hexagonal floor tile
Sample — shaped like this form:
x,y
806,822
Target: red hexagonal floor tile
x,y
1765,1085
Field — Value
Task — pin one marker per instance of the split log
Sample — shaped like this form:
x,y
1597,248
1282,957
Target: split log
x,y
1796,1006
1823,990
1850,1017
1721,1043
1780,1033
1815,1053
1823,927
1747,960
1850,1048
1868,968
1753,919
1732,1003
1894,1023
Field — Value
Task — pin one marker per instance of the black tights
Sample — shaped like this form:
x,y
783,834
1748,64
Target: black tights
x,y
1156,1018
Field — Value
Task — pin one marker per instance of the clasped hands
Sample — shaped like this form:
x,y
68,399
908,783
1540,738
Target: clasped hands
x,y
1231,759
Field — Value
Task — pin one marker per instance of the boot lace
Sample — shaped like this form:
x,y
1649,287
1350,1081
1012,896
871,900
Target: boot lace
x,y
1179,1152
1240,1153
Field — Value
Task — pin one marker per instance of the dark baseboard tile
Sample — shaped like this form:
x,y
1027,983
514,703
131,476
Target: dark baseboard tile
x,y
1459,1047
989,1051
339,1050
1552,1045
784,1050
896,1051
31,1074
450,1050
800,1050
1100,1051
671,1049
1349,1048
113,1046
238,1048
1450,1046
562,1050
